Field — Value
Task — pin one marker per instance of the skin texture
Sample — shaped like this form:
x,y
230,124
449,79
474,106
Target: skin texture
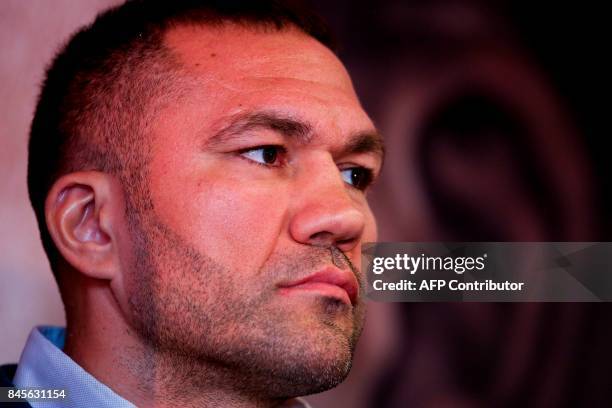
x,y
173,285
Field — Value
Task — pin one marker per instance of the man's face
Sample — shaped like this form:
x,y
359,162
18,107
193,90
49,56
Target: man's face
x,y
248,238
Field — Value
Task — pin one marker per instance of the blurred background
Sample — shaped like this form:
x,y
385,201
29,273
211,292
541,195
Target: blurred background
x,y
492,113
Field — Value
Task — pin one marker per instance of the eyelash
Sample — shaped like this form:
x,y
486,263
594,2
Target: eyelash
x,y
368,174
281,150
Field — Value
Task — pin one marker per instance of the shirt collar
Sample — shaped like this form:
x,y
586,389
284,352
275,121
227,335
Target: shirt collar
x,y
43,364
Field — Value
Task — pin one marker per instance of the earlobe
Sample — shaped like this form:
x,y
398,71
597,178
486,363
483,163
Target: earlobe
x,y
75,210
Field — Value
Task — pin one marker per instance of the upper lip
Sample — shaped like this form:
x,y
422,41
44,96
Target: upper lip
x,y
344,279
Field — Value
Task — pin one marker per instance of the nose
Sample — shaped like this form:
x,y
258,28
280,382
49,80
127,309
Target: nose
x,y
324,212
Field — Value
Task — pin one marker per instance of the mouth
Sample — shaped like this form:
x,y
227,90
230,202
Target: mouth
x,y
329,281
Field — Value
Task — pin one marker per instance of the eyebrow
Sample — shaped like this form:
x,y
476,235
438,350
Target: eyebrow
x,y
244,122
365,142
302,132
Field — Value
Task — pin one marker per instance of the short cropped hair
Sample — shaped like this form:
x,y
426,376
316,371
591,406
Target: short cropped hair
x,y
103,85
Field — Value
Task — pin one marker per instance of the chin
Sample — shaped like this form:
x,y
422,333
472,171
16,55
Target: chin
x,y
318,361
315,373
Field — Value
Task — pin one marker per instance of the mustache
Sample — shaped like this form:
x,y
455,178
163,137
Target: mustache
x,y
300,264
341,260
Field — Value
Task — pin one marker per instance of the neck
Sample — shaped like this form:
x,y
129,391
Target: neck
x,y
100,340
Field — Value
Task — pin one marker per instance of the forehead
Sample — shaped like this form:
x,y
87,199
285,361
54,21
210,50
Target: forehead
x,y
239,68
229,50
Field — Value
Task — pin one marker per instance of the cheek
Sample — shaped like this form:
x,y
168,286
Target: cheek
x,y
370,235
236,222
370,231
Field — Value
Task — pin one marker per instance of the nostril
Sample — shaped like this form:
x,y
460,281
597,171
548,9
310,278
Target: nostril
x,y
327,239
322,238
344,242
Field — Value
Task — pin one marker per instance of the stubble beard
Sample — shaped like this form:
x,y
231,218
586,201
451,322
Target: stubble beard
x,y
205,329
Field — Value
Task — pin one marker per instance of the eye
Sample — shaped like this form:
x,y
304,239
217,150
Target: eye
x,y
265,155
358,177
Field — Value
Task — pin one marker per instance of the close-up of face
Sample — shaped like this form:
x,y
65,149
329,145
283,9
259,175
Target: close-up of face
x,y
195,212
244,247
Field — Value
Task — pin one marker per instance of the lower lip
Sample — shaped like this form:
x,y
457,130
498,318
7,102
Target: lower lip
x,y
325,289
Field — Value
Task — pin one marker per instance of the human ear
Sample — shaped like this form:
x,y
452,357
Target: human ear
x,y
82,213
